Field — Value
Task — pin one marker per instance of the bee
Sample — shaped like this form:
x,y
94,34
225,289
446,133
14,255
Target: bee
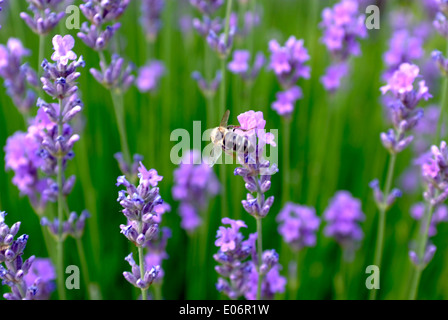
x,y
229,138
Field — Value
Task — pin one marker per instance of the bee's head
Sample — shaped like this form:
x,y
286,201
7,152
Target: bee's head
x,y
216,135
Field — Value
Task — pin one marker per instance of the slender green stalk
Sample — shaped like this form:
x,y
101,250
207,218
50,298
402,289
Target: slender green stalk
x,y
286,169
443,104
60,244
142,272
293,283
117,100
16,20
421,248
84,267
382,220
259,253
41,51
157,291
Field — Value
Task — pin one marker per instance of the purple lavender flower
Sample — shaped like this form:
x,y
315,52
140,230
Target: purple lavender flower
x,y
42,273
221,43
255,170
239,276
403,107
74,226
125,168
208,89
435,176
17,75
342,26
251,19
149,76
100,13
288,62
134,277
404,46
139,204
115,76
195,184
298,225
151,18
207,7
342,216
333,76
11,252
46,15
441,61
286,100
157,252
240,65
440,215
206,25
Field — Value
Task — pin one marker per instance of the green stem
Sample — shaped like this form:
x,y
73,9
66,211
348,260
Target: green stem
x,y
117,99
421,248
17,21
41,51
60,244
443,104
293,283
142,271
382,219
157,291
286,160
84,267
259,253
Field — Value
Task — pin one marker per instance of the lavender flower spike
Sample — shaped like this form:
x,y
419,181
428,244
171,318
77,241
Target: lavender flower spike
x,y
14,271
151,18
17,75
403,106
46,14
115,76
343,215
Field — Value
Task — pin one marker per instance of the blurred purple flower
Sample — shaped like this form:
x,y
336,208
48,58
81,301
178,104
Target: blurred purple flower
x,y
46,15
17,75
151,18
288,62
195,185
286,100
342,216
149,76
240,65
43,273
298,225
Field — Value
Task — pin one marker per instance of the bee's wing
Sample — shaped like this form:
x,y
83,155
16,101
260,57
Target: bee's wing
x,y
215,153
225,119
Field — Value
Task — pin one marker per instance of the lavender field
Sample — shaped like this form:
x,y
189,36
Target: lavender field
x,y
121,177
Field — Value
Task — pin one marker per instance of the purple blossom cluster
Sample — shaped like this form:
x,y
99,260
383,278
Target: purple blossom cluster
x,y
435,175
255,170
440,215
149,76
31,279
49,135
195,184
288,64
342,26
207,7
250,20
404,113
208,88
157,251
45,15
74,226
18,76
440,22
240,65
115,76
143,206
298,225
404,46
239,275
100,13
343,215
151,18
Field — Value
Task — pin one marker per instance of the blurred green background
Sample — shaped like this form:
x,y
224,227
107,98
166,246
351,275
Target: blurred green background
x,y
353,158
